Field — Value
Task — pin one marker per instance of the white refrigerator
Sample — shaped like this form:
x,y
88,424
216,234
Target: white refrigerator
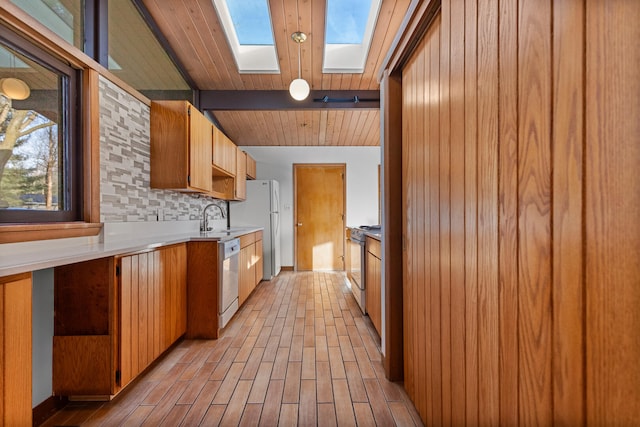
x,y
262,209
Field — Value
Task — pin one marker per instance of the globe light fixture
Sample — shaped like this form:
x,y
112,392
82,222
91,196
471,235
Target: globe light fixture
x,y
14,88
299,88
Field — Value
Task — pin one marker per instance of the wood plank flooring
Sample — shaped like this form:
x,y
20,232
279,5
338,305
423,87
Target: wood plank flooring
x,y
299,352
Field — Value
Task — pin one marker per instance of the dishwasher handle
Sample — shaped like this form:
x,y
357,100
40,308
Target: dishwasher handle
x,y
230,248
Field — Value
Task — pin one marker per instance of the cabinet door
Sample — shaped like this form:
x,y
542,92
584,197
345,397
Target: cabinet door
x,y
246,273
224,152
230,156
173,292
15,357
373,291
258,260
138,314
200,151
241,176
251,167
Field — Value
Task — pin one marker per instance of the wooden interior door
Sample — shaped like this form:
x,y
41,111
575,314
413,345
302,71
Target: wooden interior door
x,y
319,216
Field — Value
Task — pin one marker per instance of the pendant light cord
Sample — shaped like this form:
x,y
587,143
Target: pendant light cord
x,y
299,42
299,63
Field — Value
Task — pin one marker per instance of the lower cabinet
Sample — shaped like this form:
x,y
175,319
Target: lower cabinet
x,y
250,269
114,316
373,280
259,257
247,268
15,350
202,290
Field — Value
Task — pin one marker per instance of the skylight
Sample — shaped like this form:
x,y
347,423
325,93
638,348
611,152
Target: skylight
x,y
247,24
348,33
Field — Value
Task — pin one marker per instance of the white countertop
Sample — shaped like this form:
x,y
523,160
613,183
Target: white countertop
x,y
115,239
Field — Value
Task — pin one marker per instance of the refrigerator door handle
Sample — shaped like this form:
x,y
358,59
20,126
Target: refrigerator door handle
x,y
277,218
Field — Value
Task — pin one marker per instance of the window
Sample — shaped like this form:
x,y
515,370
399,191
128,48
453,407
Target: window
x,y
247,24
40,161
136,56
348,33
63,17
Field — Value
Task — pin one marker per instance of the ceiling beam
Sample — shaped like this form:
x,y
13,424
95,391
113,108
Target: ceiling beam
x,y
252,100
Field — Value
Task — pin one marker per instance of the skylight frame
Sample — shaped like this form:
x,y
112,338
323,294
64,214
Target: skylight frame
x,y
350,58
249,59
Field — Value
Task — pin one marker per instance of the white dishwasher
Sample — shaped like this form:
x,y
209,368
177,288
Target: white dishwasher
x,y
228,251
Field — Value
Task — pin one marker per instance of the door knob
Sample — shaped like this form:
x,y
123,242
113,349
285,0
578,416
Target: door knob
x,y
299,224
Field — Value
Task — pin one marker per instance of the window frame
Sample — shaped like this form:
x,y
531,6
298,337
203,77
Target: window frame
x,y
71,103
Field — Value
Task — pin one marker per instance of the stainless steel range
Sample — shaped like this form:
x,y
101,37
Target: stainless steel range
x,y
356,271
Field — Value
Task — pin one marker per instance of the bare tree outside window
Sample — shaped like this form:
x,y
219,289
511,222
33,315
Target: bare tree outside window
x,y
28,159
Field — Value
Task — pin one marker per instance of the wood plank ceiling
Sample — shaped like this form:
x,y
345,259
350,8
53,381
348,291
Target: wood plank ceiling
x,y
194,32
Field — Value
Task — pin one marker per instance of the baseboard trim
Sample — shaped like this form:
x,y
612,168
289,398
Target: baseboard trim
x,y
286,268
46,409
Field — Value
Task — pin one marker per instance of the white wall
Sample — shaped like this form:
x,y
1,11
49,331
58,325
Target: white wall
x,y
362,182
42,374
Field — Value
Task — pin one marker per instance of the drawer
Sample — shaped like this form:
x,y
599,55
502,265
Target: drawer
x,y
374,246
247,239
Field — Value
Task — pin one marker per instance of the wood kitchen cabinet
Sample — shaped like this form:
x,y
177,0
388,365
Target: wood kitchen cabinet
x,y
251,167
202,290
224,165
373,282
181,147
250,270
224,153
114,316
259,257
15,350
241,176
247,267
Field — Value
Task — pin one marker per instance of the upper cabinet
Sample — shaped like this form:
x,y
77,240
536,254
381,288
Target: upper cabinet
x,y
181,147
224,154
251,167
190,154
240,192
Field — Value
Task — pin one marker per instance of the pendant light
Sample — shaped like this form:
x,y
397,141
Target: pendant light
x,y
299,88
14,88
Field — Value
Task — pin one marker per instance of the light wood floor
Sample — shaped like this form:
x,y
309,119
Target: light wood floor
x,y
298,352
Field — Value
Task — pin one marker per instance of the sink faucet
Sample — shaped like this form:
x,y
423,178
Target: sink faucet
x,y
205,218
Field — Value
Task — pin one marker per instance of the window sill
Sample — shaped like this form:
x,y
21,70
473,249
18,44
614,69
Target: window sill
x,y
13,233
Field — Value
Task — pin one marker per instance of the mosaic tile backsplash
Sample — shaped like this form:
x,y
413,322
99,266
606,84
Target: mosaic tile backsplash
x,y
125,194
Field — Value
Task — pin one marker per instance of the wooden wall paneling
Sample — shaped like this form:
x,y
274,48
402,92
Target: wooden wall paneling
x,y
488,305
612,198
419,247
567,227
457,119
534,234
508,211
432,247
471,206
408,296
445,208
